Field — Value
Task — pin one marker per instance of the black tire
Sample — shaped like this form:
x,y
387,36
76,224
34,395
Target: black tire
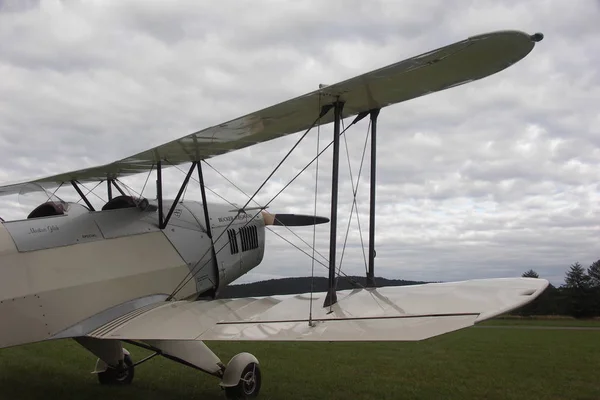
x,y
249,384
112,376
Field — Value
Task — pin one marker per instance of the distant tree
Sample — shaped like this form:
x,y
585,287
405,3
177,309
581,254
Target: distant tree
x,y
578,293
576,277
547,303
530,274
544,304
594,274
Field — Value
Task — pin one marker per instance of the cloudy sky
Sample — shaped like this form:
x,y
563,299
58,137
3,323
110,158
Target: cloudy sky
x,y
484,180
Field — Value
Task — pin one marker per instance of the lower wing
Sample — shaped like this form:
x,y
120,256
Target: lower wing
x,y
384,314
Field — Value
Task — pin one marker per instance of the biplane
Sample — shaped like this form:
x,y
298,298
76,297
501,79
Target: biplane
x,y
148,272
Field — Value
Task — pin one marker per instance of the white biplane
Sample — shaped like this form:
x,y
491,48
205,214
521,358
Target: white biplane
x,y
148,272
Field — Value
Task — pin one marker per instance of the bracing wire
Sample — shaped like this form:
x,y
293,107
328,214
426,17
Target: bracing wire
x,y
228,180
90,191
282,160
55,190
185,280
193,271
362,244
297,247
206,187
326,266
258,204
129,188
146,182
354,201
302,170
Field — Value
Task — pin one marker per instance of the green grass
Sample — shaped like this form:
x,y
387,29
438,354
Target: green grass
x,y
469,364
568,322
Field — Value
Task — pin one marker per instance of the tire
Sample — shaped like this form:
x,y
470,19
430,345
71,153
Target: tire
x,y
249,385
113,376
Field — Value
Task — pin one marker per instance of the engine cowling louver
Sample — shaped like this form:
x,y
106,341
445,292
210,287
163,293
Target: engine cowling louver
x,y
233,245
249,237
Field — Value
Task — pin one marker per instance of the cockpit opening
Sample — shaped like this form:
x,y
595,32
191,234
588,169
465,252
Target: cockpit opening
x,y
47,209
119,202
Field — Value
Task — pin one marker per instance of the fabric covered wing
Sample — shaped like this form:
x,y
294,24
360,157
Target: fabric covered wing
x,y
390,313
449,66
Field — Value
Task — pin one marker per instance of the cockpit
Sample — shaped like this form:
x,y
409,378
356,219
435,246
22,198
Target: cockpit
x,y
57,208
120,202
43,203
47,209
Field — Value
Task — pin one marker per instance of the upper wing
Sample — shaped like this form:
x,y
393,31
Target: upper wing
x,y
389,313
449,66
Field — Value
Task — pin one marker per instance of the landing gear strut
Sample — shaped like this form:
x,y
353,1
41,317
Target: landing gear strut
x,y
114,365
120,375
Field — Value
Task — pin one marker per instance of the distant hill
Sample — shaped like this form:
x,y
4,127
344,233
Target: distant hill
x,y
302,285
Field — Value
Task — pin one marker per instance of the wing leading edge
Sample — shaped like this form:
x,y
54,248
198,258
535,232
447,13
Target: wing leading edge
x,y
386,314
446,67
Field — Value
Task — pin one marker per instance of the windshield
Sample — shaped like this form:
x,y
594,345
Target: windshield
x,y
33,195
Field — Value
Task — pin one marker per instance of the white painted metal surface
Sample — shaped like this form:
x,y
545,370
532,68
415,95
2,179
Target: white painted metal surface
x,y
390,313
193,352
446,67
46,291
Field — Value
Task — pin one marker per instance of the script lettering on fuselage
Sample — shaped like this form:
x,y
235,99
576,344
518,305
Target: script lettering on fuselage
x,y
46,229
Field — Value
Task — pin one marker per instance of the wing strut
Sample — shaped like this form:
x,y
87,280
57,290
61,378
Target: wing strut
x,y
118,187
163,223
80,193
109,189
159,195
207,223
331,297
371,273
204,204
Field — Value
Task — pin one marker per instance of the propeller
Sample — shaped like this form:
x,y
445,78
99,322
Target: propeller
x,y
292,219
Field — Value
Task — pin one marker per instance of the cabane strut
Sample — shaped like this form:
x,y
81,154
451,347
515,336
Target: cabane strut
x,y
83,197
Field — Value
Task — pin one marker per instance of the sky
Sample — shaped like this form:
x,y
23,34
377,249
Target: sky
x,y
484,180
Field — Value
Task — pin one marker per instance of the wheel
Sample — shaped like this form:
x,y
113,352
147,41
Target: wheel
x,y
114,376
249,385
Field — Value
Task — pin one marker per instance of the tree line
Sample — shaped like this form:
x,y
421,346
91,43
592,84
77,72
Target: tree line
x,y
578,297
304,285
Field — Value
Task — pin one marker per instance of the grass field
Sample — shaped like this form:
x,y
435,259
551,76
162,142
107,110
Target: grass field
x,y
469,364
567,322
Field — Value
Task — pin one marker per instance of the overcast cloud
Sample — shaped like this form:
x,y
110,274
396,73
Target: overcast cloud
x,y
487,179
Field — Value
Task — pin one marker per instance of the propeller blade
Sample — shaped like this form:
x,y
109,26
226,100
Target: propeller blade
x,y
292,219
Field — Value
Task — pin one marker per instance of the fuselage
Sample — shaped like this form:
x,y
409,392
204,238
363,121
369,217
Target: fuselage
x,y
63,275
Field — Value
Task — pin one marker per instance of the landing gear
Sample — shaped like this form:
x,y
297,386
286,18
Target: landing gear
x,y
242,378
120,375
249,384
114,365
